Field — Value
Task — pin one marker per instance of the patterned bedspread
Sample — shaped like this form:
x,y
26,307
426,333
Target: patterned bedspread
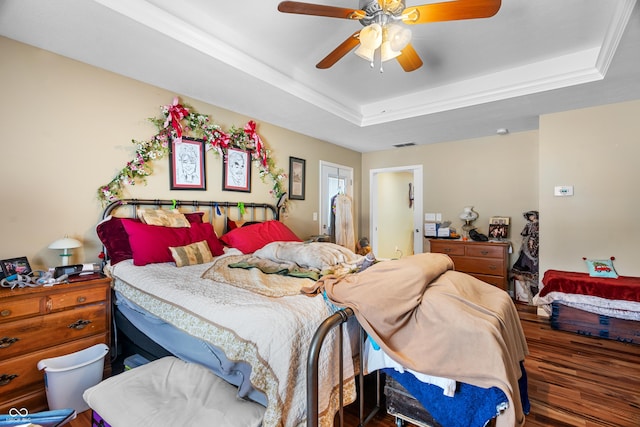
x,y
271,334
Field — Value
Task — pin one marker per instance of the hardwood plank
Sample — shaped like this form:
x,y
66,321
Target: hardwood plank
x,y
574,381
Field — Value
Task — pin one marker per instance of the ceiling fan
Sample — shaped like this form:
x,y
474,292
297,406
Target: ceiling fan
x,y
383,36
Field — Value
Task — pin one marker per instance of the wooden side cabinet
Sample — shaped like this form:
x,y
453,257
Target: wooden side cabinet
x,y
43,322
487,261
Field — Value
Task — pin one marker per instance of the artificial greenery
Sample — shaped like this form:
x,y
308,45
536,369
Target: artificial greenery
x,y
181,119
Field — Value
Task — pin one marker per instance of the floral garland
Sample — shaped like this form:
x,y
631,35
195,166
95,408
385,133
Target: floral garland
x,y
178,120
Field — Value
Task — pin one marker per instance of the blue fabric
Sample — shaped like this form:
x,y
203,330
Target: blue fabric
x,y
470,407
523,385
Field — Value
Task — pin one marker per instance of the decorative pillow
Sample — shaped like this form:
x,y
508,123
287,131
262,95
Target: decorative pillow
x,y
601,267
195,253
250,238
194,217
115,239
151,243
163,217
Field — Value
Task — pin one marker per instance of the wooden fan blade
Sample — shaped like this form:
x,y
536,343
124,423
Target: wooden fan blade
x,y
340,51
450,11
320,10
409,59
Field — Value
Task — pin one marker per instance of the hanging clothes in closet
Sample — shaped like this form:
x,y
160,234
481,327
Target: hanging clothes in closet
x,y
342,229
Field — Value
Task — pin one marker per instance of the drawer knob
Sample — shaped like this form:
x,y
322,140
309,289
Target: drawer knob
x,y
79,324
492,267
81,299
447,250
5,313
484,252
6,378
6,341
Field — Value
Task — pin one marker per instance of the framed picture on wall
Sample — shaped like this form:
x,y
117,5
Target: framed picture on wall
x,y
236,174
187,171
296,178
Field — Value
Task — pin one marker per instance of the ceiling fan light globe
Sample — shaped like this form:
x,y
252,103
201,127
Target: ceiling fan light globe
x,y
365,53
371,36
387,52
398,36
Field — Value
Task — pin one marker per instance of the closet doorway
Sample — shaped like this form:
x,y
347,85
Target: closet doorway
x,y
396,211
334,179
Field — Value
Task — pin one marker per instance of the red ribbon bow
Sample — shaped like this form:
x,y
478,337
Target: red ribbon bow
x,y
250,129
176,112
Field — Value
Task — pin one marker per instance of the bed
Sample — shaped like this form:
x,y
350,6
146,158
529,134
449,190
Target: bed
x,y
300,362
602,307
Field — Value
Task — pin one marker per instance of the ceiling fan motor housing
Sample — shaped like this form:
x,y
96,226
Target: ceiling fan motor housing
x,y
380,10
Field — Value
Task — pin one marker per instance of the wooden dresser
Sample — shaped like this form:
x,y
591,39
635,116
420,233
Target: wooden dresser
x,y
487,261
43,322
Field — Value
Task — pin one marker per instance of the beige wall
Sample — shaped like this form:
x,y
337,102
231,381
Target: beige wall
x,y
496,175
597,150
67,129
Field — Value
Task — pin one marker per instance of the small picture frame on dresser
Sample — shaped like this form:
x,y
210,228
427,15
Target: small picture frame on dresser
x,y
499,228
12,266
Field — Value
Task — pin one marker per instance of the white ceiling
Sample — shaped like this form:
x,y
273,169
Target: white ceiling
x,y
531,58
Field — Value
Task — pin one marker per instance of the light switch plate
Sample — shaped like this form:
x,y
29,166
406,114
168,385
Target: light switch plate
x,y
563,190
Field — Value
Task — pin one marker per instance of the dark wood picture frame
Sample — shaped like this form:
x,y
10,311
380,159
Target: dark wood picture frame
x,y
187,165
236,173
297,178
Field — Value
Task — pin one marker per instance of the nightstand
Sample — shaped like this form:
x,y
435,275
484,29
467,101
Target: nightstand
x,y
44,322
487,261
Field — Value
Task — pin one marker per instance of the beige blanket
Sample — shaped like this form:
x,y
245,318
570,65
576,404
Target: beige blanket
x,y
440,322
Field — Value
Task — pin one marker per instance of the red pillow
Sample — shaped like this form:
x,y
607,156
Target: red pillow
x,y
150,243
193,217
115,239
250,238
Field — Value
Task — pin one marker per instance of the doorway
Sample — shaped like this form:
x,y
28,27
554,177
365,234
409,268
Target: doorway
x,y
334,179
396,211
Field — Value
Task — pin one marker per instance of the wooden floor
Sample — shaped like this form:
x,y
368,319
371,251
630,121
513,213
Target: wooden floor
x,y
573,380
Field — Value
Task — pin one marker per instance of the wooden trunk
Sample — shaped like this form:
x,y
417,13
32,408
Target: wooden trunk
x,y
571,319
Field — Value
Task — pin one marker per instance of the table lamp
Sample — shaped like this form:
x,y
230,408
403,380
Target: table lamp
x,y
65,244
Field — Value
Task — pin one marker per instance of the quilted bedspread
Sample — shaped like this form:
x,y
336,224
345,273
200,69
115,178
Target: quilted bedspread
x,y
271,334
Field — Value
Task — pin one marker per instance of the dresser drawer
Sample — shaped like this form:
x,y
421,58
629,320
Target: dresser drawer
x,y
10,310
479,265
22,371
27,335
485,251
448,248
499,281
76,297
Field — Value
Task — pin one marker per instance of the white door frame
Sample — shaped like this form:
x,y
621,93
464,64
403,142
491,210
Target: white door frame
x,y
418,244
322,190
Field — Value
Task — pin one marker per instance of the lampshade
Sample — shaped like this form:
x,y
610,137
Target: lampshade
x,y
65,244
390,38
398,37
370,40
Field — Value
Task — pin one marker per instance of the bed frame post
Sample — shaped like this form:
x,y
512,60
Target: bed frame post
x,y
325,327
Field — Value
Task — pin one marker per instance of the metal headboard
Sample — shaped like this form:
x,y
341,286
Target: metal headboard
x,y
217,212
268,211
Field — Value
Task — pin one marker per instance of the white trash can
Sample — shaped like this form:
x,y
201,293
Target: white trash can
x,y
67,377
